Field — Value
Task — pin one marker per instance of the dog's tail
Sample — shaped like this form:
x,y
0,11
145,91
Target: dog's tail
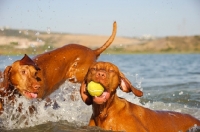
x,y
108,42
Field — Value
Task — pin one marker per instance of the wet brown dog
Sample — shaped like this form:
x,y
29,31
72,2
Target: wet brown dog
x,y
113,113
42,75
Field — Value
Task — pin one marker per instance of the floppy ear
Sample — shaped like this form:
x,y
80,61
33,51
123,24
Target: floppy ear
x,y
126,86
84,94
26,60
6,76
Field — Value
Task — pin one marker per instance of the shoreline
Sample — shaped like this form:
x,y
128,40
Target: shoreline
x,y
22,52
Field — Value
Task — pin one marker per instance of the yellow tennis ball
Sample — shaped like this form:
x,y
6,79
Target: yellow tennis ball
x,y
95,89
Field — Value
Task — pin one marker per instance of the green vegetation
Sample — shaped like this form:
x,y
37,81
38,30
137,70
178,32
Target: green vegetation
x,y
171,44
10,50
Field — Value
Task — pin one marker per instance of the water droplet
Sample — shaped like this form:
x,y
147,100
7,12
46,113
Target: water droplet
x,y
48,30
37,34
26,32
185,106
39,40
181,93
32,45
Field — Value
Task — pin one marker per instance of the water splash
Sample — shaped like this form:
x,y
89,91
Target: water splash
x,y
138,81
65,104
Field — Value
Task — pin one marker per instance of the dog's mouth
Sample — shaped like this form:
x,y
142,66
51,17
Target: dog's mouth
x,y
102,98
30,95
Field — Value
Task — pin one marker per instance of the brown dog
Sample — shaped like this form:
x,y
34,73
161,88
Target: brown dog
x,y
113,113
40,76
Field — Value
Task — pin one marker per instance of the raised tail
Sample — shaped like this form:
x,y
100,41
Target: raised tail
x,y
108,42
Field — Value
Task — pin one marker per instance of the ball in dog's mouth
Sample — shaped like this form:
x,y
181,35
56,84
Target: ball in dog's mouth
x,y
95,89
98,92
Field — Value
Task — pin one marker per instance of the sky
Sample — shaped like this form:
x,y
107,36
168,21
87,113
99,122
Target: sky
x,y
134,18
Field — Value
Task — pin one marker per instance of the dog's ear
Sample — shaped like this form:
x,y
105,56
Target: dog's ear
x,y
26,60
84,94
6,76
126,86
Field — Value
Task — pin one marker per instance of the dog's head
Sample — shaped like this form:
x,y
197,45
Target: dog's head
x,y
110,77
22,74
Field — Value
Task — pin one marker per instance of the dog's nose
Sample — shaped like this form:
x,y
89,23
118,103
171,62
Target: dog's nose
x,y
36,86
101,75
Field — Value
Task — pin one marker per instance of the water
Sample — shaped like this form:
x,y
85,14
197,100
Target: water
x,y
169,82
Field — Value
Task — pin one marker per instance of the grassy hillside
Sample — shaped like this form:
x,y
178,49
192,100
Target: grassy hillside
x,y
188,44
10,41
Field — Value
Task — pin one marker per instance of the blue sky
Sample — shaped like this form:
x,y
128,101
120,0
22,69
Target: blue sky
x,y
134,17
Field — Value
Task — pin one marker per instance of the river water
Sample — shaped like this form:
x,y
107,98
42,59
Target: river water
x,y
169,82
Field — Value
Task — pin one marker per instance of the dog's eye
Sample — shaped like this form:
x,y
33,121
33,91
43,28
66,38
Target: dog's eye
x,y
111,70
23,72
93,69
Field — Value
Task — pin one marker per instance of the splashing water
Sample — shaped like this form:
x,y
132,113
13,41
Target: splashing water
x,y
65,104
